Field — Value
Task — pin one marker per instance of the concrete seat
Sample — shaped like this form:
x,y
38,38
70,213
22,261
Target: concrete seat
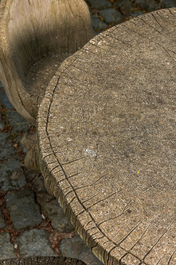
x,y
35,37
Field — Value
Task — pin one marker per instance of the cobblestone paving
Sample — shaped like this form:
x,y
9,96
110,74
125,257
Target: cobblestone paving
x,y
31,221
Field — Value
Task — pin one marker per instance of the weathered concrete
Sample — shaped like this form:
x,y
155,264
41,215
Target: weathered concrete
x,y
106,131
43,33
41,260
11,177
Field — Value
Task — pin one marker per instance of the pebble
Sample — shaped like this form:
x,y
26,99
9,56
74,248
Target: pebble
x,y
55,213
76,248
169,3
37,182
6,248
126,6
98,25
24,211
6,147
11,175
4,100
149,4
136,13
99,4
1,124
18,123
2,221
111,15
34,242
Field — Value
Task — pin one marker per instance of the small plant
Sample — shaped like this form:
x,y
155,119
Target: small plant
x,y
13,136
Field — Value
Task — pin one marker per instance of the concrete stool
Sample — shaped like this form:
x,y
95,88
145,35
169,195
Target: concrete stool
x,y
35,37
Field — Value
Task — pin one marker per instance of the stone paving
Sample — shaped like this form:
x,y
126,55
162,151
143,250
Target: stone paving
x,y
31,221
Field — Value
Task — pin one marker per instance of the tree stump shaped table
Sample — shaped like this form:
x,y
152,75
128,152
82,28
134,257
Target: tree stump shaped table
x,y
107,139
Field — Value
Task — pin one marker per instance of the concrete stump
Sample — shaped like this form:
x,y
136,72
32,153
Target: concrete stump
x,y
106,131
35,37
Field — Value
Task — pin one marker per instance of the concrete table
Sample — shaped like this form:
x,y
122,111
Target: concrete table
x,y
107,138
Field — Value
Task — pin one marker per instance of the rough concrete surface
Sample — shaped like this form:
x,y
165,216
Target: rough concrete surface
x,y
34,42
107,141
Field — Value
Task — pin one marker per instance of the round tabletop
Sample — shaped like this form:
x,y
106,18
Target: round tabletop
x,y
107,137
